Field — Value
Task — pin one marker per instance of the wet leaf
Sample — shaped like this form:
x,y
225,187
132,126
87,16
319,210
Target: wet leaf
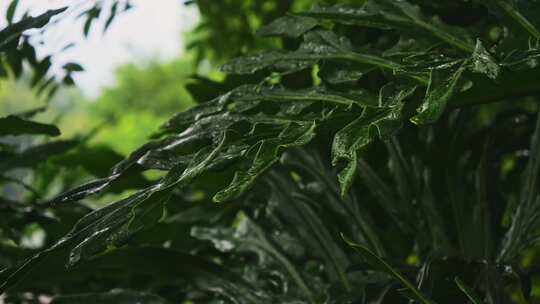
x,y
267,154
443,84
389,14
290,26
358,134
483,62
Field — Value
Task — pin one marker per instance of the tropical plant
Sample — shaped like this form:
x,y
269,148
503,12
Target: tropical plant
x,y
392,156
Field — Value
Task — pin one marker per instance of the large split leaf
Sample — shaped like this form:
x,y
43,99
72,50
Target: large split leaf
x,y
389,14
293,135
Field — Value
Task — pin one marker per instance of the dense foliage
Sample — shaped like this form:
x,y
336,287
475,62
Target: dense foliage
x,y
389,151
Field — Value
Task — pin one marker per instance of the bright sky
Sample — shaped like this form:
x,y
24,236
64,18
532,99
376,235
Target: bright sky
x,y
147,30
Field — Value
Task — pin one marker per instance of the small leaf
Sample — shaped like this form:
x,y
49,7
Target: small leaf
x,y
73,67
11,11
112,15
483,62
14,125
14,31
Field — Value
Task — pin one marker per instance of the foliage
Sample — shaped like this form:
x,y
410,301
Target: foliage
x,y
370,164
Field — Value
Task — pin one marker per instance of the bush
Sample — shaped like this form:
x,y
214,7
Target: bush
x,y
392,155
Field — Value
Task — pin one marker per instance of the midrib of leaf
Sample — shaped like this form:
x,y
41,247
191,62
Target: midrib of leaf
x,y
519,18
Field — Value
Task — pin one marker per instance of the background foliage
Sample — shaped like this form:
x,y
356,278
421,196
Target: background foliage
x,y
370,152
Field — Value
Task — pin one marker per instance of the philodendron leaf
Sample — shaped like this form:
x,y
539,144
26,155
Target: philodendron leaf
x,y
316,94
468,291
443,84
248,236
14,125
379,264
390,14
115,223
290,26
318,45
358,134
268,150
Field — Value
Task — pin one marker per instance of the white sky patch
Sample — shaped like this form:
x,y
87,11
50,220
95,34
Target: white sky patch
x,y
147,30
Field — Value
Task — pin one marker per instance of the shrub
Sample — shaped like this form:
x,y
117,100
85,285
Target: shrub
x,y
391,155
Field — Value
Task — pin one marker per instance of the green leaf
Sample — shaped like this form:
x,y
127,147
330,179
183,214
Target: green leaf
x,y
14,125
15,30
267,154
381,265
73,67
483,62
443,84
291,26
317,94
357,135
469,292
515,14
10,13
33,156
390,14
112,15
318,45
250,237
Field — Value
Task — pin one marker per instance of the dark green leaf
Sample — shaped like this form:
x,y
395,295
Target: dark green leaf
x,y
14,31
290,26
381,265
10,13
13,125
